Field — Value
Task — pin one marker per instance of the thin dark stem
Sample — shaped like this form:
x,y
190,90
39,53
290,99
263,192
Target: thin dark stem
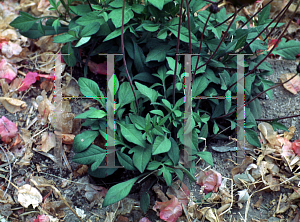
x,y
256,97
124,61
256,13
201,43
189,25
268,52
177,51
279,118
228,18
265,28
224,35
90,5
281,12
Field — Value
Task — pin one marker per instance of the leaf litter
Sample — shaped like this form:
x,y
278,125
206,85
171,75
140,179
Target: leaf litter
x,y
274,165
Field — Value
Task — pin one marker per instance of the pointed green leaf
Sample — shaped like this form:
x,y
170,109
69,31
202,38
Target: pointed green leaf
x,y
118,192
161,145
84,140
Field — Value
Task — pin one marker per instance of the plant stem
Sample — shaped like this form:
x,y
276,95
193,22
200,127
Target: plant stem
x,y
177,50
124,61
257,96
202,34
269,51
224,35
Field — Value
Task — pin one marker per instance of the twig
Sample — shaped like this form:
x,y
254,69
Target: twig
x,y
10,171
59,194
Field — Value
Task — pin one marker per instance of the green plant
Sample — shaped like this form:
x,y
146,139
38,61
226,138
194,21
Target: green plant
x,y
150,115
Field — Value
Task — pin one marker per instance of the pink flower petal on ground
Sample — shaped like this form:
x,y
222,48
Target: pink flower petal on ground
x,y
286,146
30,78
170,210
98,68
211,180
42,218
8,129
7,71
296,147
145,219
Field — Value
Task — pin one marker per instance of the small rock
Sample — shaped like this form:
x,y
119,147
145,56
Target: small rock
x,y
273,219
122,219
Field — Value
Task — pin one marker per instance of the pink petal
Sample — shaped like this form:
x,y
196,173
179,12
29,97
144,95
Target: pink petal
x,y
7,71
28,81
8,129
211,180
98,68
170,210
144,219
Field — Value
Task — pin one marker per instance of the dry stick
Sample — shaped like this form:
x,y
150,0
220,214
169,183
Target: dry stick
x,y
248,201
59,194
10,171
256,97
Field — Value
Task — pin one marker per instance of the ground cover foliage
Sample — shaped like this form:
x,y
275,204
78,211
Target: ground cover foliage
x,y
150,104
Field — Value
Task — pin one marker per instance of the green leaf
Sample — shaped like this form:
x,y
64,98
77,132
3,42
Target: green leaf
x,y
277,125
199,85
151,27
116,16
63,38
159,53
118,192
85,114
125,161
90,89
91,17
80,10
141,157
184,33
82,41
132,134
171,63
157,112
113,84
162,34
90,29
157,3
161,145
118,4
93,154
145,202
167,175
139,58
153,165
207,157
149,93
84,140
215,128
173,153
68,54
252,138
138,8
102,172
23,22
264,15
189,175
288,50
125,94
227,102
204,132
97,114
41,28
115,33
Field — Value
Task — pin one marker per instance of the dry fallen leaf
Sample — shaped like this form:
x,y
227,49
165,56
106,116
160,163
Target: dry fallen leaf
x,y
29,195
13,105
293,85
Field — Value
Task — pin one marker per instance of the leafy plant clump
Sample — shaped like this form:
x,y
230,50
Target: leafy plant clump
x,y
150,105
